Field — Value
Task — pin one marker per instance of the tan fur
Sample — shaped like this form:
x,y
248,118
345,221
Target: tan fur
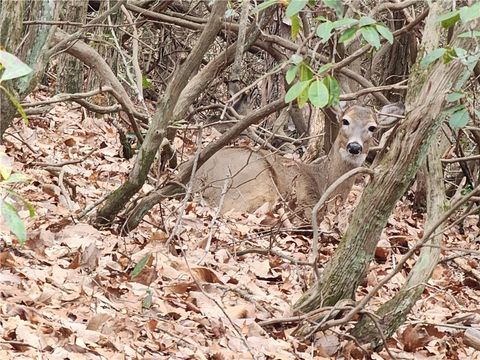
x,y
255,178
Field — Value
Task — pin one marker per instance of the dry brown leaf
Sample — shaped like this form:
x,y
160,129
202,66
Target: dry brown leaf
x,y
414,337
204,274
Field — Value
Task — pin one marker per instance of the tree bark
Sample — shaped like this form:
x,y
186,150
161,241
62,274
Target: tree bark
x,y
117,200
428,88
393,313
32,48
70,72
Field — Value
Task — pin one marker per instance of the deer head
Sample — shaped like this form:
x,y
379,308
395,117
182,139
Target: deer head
x,y
357,126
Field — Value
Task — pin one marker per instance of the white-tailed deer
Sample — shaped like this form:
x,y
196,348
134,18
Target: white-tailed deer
x,y
256,177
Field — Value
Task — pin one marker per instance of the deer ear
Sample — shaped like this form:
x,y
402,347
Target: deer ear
x,y
396,109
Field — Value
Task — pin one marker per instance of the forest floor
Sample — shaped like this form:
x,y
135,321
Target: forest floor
x,y
76,292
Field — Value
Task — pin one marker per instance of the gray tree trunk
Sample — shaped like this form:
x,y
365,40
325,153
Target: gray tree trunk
x,y
32,50
70,71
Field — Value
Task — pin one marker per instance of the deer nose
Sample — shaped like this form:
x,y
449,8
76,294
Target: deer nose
x,y
354,148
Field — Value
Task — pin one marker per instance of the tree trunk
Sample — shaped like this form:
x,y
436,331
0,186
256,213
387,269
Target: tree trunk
x,y
32,50
428,88
70,70
393,313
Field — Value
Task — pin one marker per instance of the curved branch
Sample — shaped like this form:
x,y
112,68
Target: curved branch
x,y
94,60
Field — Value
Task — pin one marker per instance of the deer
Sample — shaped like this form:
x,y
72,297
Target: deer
x,y
245,179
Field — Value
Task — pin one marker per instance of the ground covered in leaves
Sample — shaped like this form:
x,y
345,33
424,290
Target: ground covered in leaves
x,y
184,286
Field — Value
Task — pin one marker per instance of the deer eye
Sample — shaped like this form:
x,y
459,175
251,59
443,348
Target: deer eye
x,y
372,128
345,122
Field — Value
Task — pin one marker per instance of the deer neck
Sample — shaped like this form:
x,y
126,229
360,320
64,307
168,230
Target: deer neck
x,y
334,165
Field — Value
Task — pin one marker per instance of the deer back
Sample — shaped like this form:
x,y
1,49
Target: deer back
x,y
241,177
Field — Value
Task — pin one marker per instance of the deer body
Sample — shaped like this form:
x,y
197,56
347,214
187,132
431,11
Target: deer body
x,y
254,178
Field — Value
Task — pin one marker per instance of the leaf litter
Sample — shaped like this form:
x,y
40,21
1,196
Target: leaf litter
x,y
70,291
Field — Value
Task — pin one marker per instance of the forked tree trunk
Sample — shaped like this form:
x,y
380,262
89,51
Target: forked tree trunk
x,y
426,95
117,200
393,313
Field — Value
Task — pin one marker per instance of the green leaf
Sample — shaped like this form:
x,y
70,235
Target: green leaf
x,y
449,19
15,178
31,209
318,94
305,72
449,55
452,109
370,34
459,119
347,34
140,265
14,67
147,301
470,13
296,59
454,96
470,34
296,26
366,20
13,221
344,22
291,73
324,68
146,82
15,103
385,32
295,7
295,91
324,31
460,52
432,56
302,99
265,5
333,90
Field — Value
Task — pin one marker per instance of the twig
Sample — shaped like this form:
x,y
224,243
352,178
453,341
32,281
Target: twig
x,y
226,185
232,323
64,191
64,43
188,191
69,162
66,97
466,158
136,65
272,252
459,327
19,138
92,206
369,90
380,332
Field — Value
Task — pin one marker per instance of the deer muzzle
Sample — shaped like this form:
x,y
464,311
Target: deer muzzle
x,y
354,148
